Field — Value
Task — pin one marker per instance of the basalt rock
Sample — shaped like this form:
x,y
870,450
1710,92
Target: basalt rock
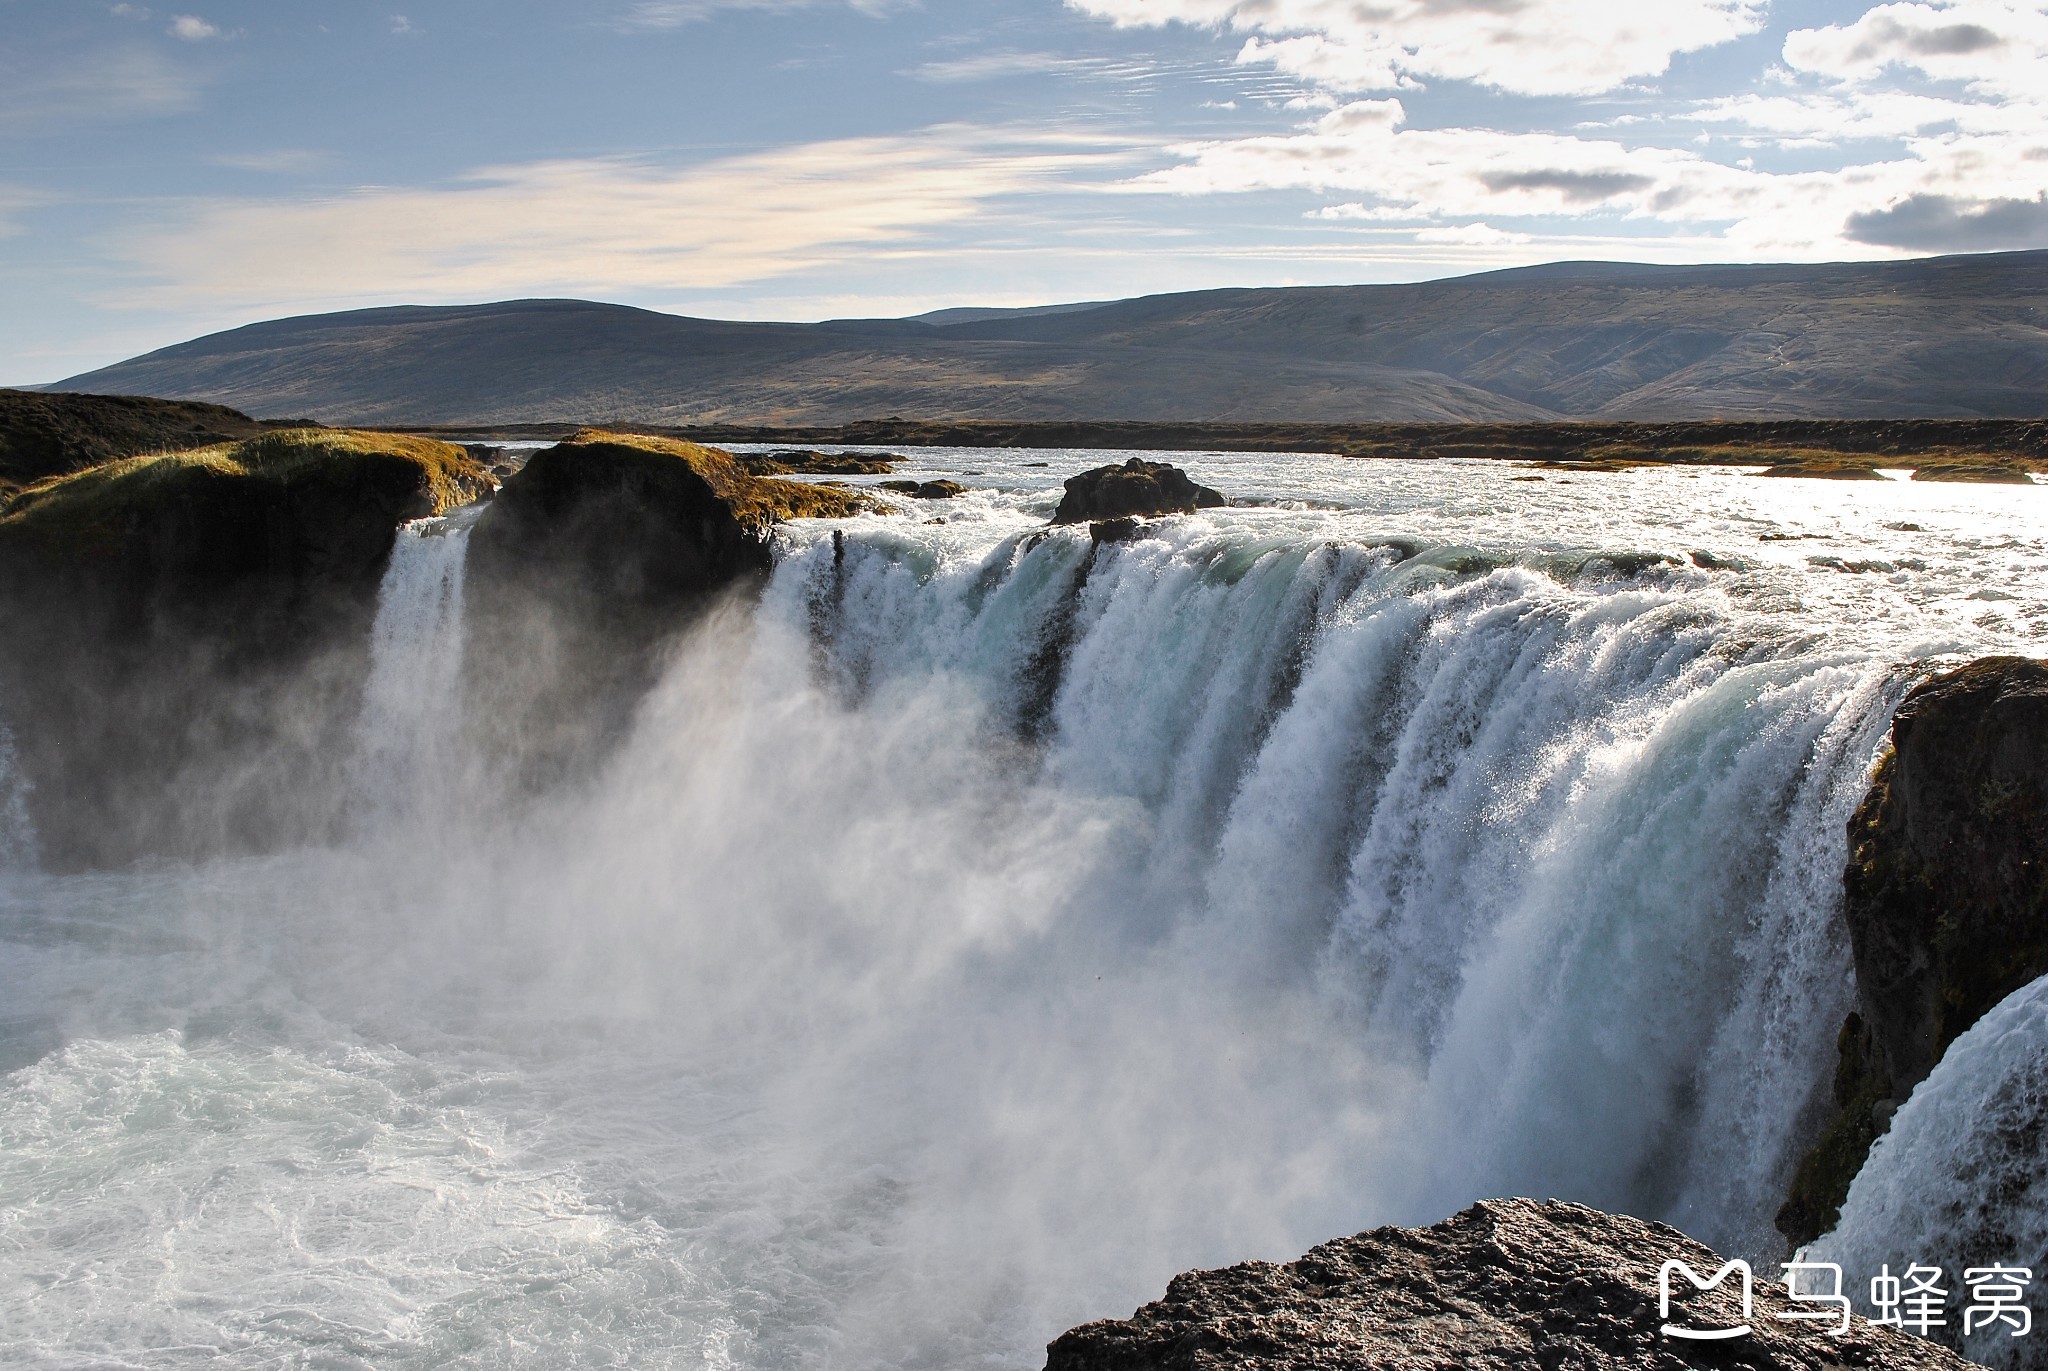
x,y
1946,898
1138,488
584,568
807,462
1508,1285
926,490
193,625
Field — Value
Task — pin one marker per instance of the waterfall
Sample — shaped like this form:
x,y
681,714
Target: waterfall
x,y
1959,1181
1564,843
17,832
985,925
407,733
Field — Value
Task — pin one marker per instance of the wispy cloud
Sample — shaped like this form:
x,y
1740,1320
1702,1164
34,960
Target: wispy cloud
x,y
277,162
599,226
192,28
674,14
95,86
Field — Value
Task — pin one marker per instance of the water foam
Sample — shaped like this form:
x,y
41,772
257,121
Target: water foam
x,y
1961,1180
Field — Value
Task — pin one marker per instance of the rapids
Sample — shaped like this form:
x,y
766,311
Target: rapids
x,y
984,926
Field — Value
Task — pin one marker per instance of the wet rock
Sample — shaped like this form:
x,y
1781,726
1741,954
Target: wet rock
x,y
1508,1285
1115,531
194,624
1946,898
1136,488
585,567
926,490
806,462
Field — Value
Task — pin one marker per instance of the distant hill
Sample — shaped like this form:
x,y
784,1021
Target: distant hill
x,y
1962,337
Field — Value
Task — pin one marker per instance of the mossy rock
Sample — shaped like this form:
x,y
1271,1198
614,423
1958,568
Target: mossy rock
x,y
588,565
195,624
45,434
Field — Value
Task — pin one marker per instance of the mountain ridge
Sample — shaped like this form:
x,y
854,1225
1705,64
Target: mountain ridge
x,y
1949,337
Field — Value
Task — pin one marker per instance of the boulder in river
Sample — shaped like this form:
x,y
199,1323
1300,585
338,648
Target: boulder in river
x,y
1137,488
1508,1285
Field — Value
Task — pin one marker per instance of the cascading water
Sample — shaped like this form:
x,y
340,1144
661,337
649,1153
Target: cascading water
x,y
1958,1183
411,719
17,831
989,925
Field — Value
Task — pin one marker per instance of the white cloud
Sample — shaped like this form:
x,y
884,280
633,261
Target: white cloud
x,y
991,66
278,162
1993,46
1472,235
674,14
192,28
600,227
1920,126
400,24
94,87
1546,47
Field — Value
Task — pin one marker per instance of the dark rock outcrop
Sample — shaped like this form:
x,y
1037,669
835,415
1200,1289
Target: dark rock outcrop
x,y
1946,901
1508,1285
45,434
1136,488
926,490
806,462
192,625
586,565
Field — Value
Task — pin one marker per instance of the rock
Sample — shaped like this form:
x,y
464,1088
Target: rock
x,y
1977,472
1507,1285
195,624
1138,487
1826,471
804,461
46,434
587,564
1946,899
926,490
1114,531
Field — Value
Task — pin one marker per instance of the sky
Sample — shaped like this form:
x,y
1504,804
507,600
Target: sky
x,y
168,171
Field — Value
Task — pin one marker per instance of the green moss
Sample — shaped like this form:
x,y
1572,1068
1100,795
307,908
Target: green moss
x,y
106,499
755,500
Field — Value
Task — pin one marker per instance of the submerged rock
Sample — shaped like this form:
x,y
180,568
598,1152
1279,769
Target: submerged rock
x,y
1137,488
1508,1285
1946,901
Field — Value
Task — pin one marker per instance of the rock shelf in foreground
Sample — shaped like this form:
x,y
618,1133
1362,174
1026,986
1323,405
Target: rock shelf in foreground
x,y
1508,1285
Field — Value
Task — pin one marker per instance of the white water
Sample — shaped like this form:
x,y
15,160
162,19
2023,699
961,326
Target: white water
x,y
841,1025
1961,1180
17,832
406,762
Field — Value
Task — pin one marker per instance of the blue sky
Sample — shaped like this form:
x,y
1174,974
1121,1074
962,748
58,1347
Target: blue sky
x,y
170,170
